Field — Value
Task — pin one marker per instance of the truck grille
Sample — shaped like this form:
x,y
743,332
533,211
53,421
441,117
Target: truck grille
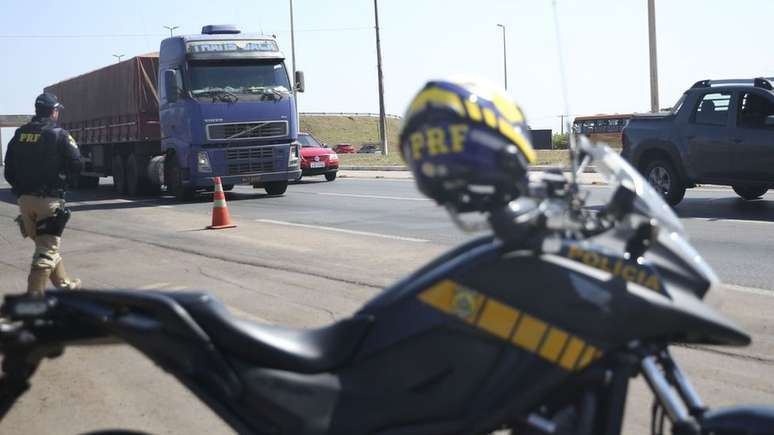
x,y
247,130
250,160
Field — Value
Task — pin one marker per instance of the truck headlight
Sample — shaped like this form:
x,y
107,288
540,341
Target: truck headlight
x,y
293,154
203,162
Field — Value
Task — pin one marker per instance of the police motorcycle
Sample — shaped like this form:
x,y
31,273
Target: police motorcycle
x,y
537,326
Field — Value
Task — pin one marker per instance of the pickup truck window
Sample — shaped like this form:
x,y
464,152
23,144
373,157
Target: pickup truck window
x,y
713,109
753,110
678,104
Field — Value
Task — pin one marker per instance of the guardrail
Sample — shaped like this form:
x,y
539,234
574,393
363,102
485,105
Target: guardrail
x,y
370,115
11,121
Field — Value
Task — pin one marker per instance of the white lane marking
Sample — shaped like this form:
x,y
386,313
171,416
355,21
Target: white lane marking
x,y
342,230
744,221
154,286
750,290
245,314
353,195
112,201
176,288
166,206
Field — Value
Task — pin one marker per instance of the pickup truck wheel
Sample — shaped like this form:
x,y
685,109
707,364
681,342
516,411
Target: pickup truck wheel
x,y
276,187
330,176
749,193
661,174
119,174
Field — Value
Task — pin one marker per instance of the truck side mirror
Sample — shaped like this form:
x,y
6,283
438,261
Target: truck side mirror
x,y
299,85
170,85
769,121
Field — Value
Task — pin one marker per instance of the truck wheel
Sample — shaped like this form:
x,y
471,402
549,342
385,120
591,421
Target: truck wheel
x,y
749,193
137,182
276,187
330,176
119,174
86,182
661,174
175,184
133,178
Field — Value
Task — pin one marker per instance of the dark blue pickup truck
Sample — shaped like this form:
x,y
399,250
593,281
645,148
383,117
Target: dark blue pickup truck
x,y
719,132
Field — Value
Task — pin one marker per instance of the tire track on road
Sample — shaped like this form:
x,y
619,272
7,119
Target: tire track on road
x,y
739,356
231,259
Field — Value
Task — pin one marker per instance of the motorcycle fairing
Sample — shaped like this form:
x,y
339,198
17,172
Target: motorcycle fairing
x,y
516,327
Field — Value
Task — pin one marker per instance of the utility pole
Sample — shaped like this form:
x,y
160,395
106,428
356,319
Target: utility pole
x,y
653,58
293,57
505,59
382,117
171,28
118,56
561,126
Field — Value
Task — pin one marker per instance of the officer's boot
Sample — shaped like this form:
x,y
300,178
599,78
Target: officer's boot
x,y
37,280
60,279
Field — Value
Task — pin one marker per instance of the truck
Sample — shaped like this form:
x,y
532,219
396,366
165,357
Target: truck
x,y
216,104
719,132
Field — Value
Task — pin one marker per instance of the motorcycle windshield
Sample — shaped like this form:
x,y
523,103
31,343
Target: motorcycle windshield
x,y
618,172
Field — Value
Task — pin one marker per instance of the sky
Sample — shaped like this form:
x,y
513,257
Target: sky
x,y
605,44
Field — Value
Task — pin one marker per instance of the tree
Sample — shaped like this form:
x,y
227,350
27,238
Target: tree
x,y
560,141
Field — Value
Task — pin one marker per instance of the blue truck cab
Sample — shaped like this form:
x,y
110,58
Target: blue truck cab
x,y
226,109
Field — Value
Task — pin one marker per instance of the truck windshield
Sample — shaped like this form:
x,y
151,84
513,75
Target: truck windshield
x,y
248,79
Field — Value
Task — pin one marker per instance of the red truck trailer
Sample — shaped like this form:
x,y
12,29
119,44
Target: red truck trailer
x,y
113,114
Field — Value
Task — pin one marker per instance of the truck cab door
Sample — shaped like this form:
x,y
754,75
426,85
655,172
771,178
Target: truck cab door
x,y
753,140
707,136
170,109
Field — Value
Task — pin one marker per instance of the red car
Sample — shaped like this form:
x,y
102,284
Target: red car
x,y
344,148
316,159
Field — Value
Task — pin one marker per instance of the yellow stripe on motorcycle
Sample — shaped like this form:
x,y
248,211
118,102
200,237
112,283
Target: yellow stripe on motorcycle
x,y
498,318
508,323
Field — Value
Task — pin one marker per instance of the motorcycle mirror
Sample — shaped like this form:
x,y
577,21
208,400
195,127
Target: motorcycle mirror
x,y
621,204
584,160
643,237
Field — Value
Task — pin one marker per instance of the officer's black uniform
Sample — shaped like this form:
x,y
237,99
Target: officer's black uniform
x,y
40,159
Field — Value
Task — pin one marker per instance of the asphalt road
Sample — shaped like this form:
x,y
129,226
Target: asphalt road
x,y
315,255
735,236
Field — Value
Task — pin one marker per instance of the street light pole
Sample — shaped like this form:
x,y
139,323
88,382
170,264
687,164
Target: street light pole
x,y
118,56
293,57
382,116
505,59
170,30
653,58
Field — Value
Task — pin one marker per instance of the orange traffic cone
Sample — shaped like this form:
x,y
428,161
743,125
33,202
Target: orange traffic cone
x,y
220,217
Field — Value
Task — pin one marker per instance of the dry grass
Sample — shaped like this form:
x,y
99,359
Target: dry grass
x,y
354,130
359,130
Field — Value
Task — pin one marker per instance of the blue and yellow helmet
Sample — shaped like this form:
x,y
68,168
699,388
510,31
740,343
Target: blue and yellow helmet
x,y
467,144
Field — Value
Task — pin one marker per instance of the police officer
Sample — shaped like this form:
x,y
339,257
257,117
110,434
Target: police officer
x,y
40,159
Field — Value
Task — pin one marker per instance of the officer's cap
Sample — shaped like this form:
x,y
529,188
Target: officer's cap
x,y
48,101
